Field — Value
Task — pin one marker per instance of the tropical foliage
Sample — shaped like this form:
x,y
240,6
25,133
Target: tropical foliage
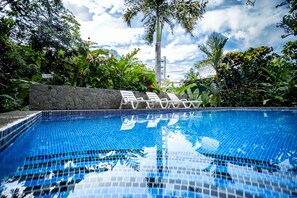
x,y
96,69
213,49
35,37
289,21
42,37
101,69
43,24
256,77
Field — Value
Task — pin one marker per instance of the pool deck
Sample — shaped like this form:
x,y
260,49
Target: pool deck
x,y
9,118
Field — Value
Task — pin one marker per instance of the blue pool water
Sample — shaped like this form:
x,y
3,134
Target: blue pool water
x,y
183,154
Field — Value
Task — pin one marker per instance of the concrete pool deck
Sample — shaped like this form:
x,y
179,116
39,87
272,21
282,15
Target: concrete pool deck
x,y
9,118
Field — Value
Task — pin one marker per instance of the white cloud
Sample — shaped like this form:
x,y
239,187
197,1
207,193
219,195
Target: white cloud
x,y
179,52
146,54
177,72
212,3
100,6
81,12
108,30
244,26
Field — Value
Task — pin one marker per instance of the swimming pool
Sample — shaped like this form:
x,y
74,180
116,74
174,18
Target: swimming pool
x,y
225,153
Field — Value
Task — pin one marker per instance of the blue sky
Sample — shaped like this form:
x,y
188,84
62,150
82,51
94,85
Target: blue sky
x,y
244,26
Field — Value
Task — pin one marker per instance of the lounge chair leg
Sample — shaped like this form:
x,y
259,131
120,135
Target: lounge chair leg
x,y
121,104
148,105
132,104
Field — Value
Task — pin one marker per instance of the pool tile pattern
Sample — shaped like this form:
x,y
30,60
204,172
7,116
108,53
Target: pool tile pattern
x,y
143,173
85,114
156,174
76,115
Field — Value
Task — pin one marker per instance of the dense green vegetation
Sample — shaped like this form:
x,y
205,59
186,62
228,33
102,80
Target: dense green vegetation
x,y
42,37
256,77
289,21
22,66
101,69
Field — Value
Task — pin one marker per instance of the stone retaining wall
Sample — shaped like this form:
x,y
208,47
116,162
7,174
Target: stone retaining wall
x,y
52,97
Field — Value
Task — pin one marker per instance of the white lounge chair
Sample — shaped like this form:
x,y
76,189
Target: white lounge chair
x,y
175,102
128,97
196,103
154,98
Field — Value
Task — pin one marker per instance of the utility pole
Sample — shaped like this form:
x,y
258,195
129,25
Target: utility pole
x,y
163,69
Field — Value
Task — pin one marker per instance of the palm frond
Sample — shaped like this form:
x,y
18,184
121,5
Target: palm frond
x,y
167,20
205,50
203,63
150,27
213,49
187,13
133,8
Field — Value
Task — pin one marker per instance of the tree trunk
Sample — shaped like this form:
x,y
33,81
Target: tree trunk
x,y
158,53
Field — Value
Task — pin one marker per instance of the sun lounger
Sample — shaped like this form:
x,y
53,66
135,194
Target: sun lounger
x,y
129,97
196,103
175,102
155,100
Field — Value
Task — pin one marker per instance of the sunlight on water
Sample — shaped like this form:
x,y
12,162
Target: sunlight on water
x,y
172,154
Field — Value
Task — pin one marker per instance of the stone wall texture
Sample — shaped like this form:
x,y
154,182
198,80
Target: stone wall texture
x,y
52,97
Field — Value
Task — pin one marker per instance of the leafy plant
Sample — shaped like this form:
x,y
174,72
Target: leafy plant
x,y
101,69
213,49
204,97
280,87
193,95
214,93
16,96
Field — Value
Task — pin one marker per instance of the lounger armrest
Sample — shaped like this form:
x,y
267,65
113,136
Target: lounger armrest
x,y
183,99
125,99
164,99
140,98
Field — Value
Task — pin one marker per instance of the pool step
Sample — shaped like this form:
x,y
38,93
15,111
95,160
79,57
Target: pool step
x,y
47,175
80,158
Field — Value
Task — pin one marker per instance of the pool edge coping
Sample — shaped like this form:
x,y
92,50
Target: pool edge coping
x,y
14,129
131,111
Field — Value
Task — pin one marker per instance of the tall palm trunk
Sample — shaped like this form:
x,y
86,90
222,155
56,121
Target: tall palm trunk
x,y
158,52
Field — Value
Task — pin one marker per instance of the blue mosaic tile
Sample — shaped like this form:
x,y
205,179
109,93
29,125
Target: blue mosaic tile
x,y
104,161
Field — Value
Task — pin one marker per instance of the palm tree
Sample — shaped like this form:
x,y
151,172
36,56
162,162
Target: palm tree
x,y
157,13
214,51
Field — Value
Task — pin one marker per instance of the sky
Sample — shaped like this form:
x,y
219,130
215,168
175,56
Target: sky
x,y
244,26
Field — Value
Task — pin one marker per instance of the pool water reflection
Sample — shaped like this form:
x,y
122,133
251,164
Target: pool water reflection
x,y
183,154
